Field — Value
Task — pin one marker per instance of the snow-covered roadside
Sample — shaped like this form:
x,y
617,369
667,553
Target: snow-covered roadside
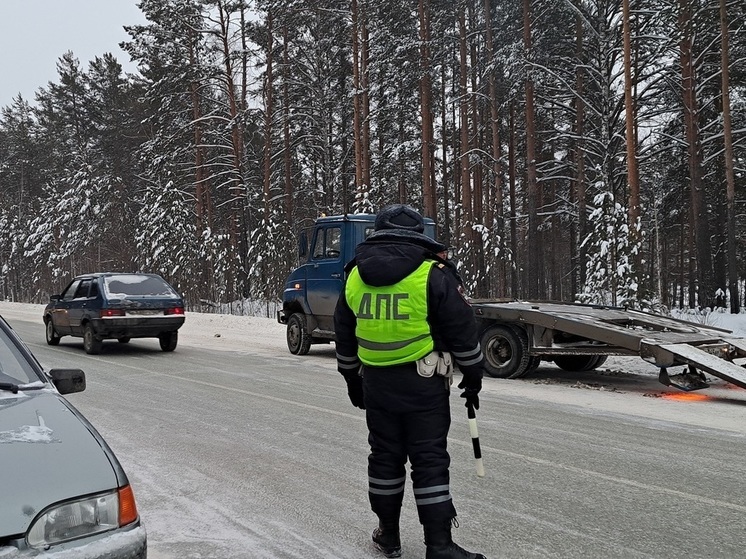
x,y
625,386
736,323
232,332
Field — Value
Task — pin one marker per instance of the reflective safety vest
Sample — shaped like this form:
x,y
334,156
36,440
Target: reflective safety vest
x,y
392,323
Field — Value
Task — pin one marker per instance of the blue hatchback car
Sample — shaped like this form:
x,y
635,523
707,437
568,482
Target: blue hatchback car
x,y
118,306
63,493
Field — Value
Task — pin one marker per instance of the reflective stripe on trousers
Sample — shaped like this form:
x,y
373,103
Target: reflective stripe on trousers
x,y
408,418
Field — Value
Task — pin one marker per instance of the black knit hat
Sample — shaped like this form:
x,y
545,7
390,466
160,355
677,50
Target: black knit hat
x,y
399,216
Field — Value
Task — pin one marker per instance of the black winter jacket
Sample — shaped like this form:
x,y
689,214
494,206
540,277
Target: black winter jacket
x,y
385,259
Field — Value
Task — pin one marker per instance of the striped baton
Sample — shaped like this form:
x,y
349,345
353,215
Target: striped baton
x,y
475,439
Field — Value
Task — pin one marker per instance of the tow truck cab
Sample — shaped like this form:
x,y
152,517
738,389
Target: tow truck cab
x,y
311,290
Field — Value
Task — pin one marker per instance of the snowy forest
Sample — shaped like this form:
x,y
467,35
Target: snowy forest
x,y
572,150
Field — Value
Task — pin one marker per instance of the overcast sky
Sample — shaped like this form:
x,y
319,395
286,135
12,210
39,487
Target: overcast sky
x,y
34,34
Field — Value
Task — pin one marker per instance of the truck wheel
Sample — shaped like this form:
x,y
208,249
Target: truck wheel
x,y
601,360
578,363
299,341
533,363
91,342
506,352
52,337
168,340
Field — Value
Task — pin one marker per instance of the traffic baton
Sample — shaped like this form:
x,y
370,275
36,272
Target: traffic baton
x,y
475,439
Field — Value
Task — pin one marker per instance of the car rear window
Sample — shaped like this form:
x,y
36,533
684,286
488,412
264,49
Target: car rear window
x,y
123,286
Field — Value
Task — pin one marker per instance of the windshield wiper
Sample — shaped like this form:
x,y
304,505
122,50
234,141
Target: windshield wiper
x,y
14,388
9,386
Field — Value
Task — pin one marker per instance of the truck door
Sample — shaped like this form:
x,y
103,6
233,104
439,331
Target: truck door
x,y
325,274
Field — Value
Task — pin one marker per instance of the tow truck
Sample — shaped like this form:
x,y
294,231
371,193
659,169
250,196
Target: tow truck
x,y
516,335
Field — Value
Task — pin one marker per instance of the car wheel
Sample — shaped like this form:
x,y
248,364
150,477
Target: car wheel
x,y
168,340
506,352
52,337
91,342
124,340
299,341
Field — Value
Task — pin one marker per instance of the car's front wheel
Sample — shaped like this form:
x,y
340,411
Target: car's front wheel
x,y
91,342
52,337
168,340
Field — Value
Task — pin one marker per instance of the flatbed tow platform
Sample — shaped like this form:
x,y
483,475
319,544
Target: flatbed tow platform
x,y
516,336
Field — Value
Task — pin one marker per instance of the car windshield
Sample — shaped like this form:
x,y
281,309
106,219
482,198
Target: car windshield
x,y
14,367
133,285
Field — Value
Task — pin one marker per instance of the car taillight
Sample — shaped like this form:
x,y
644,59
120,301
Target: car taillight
x,y
175,310
111,312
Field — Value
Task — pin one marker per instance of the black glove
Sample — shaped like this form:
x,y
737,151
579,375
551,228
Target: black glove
x,y
471,385
355,390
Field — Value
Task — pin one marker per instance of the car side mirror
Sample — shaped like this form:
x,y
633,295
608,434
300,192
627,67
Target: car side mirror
x,y
55,298
68,381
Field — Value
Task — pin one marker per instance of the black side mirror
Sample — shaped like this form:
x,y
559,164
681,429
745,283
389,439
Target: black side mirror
x,y
303,244
68,381
54,298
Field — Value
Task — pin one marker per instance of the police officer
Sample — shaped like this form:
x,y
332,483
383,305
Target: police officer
x,y
400,310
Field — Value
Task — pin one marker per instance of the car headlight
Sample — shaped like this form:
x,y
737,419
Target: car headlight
x,y
75,519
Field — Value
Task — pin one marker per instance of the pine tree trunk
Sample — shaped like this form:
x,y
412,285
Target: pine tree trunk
x,y
532,239
445,230
514,283
692,261
357,103
428,188
203,206
287,160
497,186
700,223
466,202
202,196
633,182
481,282
555,275
268,111
730,180
682,253
365,105
579,261
238,230
344,126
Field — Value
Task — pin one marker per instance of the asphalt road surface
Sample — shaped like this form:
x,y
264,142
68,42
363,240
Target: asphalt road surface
x,y
239,454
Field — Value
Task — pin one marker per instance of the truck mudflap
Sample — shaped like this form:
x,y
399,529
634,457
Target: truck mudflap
x,y
282,317
716,362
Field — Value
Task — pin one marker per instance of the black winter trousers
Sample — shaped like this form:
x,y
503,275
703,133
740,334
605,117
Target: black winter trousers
x,y
408,417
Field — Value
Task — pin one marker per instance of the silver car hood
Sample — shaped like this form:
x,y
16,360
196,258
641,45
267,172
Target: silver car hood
x,y
47,455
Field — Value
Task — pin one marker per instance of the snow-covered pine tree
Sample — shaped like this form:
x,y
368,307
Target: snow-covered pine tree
x,y
610,277
166,236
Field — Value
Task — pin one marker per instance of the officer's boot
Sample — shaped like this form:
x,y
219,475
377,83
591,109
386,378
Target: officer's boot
x,y
386,537
441,546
